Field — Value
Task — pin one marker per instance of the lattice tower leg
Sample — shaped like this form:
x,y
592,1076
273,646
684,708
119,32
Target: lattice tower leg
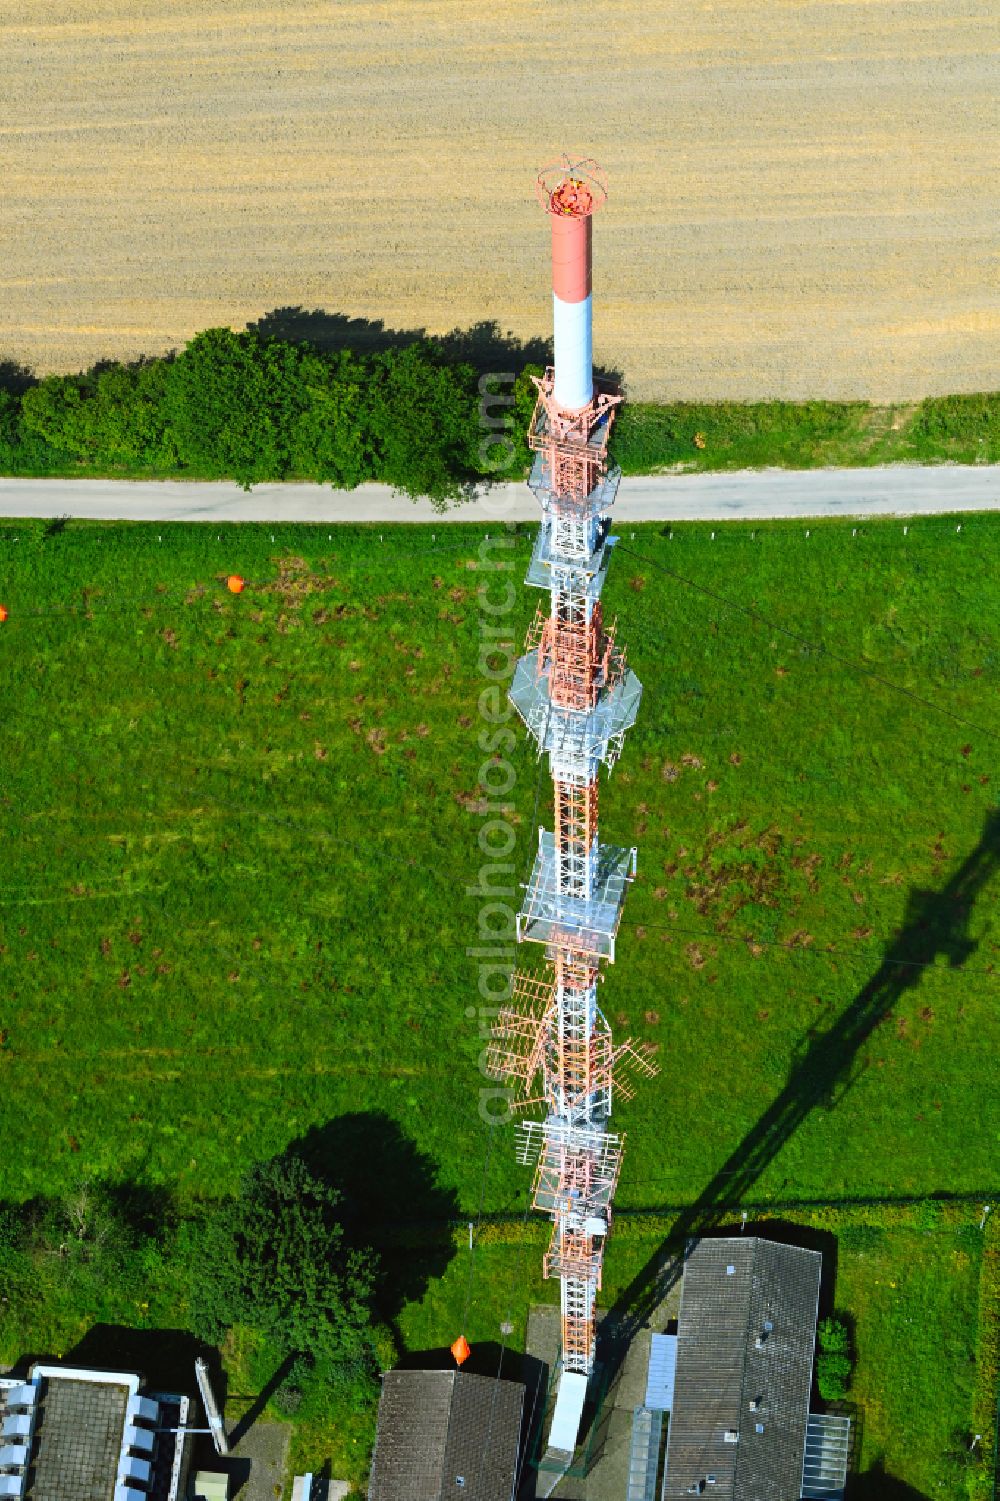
x,y
576,834
572,535
578,1324
572,476
574,1093
576,629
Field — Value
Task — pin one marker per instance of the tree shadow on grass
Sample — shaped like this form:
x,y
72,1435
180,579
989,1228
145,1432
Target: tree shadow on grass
x,y
484,345
392,1201
141,1211
16,378
936,925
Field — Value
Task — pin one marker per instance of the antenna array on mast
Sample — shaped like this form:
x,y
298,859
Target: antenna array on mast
x,y
577,698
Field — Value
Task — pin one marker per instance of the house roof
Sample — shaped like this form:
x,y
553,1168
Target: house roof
x,y
746,1331
446,1434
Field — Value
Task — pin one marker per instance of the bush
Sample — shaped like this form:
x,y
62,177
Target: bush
x,y
525,396
106,419
10,428
833,1336
329,442
233,402
131,424
350,1383
276,1259
288,1396
86,1229
833,1374
22,450
973,419
422,419
56,410
833,1362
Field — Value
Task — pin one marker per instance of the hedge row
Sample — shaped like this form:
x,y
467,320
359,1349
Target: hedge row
x,y
805,434
258,410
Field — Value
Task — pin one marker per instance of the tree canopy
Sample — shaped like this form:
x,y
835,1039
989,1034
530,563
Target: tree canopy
x,y
277,1259
258,409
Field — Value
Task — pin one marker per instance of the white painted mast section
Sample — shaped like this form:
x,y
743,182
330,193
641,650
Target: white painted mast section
x,y
574,357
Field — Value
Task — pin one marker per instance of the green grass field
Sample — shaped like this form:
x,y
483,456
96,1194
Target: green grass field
x,y
910,1292
695,436
240,833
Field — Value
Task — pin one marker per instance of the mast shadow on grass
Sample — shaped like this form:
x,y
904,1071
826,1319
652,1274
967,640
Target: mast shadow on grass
x,y
936,925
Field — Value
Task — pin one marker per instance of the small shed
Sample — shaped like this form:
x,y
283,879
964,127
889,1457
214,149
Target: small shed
x,y
210,1485
662,1372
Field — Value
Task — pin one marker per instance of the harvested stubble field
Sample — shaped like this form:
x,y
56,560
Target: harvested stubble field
x,y
804,201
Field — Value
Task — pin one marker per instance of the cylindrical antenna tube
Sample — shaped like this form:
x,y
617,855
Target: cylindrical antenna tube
x,y
570,195
571,311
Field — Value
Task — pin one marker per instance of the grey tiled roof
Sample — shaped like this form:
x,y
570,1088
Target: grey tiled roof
x,y
437,1428
720,1369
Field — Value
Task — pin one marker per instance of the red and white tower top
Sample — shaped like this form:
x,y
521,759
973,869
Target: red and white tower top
x,y
571,193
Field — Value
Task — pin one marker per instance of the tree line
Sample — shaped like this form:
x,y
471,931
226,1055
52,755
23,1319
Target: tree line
x,y
256,409
284,1257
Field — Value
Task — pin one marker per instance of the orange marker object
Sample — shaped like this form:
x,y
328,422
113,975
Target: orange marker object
x,y
3,612
461,1349
235,584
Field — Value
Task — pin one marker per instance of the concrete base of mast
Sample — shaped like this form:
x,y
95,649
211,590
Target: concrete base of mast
x,y
568,1412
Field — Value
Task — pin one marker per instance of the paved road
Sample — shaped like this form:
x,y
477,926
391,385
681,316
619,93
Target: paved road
x,y
900,490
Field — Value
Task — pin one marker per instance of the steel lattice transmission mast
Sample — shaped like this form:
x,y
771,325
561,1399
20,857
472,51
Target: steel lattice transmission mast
x,y
577,698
